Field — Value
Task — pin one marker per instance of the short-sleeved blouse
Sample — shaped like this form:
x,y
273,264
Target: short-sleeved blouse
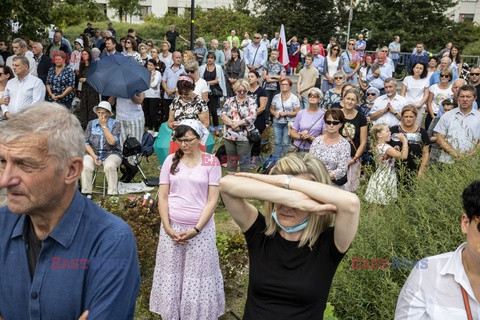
x,y
60,82
236,112
285,106
188,110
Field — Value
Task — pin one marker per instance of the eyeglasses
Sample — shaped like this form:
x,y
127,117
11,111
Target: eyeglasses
x,y
445,75
186,141
332,123
371,94
190,71
338,78
474,74
311,95
241,91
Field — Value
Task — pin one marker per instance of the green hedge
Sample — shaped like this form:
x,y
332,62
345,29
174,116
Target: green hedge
x,y
425,221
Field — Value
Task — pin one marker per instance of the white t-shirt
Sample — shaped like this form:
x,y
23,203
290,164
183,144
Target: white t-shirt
x,y
332,66
439,95
415,89
201,86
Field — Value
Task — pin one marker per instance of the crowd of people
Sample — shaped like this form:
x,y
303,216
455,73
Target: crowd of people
x,y
345,113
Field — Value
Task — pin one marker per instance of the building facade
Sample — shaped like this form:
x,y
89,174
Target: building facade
x,y
160,7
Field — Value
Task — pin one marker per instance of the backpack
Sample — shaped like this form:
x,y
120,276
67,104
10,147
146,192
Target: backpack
x,y
131,147
147,144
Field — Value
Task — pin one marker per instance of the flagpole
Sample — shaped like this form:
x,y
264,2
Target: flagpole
x,y
350,17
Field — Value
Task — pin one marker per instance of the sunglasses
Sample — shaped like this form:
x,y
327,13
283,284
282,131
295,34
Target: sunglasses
x,y
241,91
313,95
256,37
445,75
190,71
335,49
351,44
332,123
338,78
371,94
474,74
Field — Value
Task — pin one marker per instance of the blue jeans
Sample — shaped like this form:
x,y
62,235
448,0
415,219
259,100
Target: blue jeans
x,y
304,103
281,138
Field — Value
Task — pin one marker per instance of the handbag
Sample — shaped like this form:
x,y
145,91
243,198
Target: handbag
x,y
217,92
341,181
254,136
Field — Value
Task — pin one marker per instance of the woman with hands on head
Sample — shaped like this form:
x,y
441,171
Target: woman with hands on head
x,y
187,282
294,250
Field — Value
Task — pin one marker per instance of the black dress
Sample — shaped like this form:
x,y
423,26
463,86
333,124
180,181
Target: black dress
x,y
89,98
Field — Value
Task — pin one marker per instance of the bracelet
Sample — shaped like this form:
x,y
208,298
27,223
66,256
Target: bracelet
x,y
286,184
196,229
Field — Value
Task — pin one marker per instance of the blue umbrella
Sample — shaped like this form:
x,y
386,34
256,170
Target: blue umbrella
x,y
118,76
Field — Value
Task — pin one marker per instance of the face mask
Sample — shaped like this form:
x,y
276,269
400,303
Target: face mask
x,y
302,225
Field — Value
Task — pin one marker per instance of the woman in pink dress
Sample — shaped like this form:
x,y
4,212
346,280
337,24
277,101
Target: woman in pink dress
x,y
187,281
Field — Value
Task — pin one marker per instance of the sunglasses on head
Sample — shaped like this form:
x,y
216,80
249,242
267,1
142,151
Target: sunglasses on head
x,y
190,71
330,123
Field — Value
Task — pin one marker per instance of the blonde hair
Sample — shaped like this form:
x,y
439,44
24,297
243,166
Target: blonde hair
x,y
190,56
376,129
241,83
306,164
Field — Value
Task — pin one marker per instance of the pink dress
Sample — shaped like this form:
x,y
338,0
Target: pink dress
x,y
187,281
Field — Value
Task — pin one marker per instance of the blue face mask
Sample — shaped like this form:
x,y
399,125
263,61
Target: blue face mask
x,y
302,225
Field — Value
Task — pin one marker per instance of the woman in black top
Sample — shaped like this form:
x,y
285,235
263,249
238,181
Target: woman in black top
x,y
258,93
294,251
234,70
418,145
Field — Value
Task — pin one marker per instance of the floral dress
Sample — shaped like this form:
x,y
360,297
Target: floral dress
x,y
59,83
188,110
235,111
382,187
330,98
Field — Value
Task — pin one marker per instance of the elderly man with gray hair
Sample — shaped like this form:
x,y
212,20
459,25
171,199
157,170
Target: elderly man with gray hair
x,y
20,48
67,257
23,90
445,62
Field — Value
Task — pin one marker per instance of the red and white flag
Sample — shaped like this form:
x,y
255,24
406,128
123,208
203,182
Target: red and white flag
x,y
282,47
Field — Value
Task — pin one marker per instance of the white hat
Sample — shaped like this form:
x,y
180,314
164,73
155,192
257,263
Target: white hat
x,y
105,105
80,41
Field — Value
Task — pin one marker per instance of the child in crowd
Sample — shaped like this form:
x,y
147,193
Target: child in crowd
x,y
435,149
382,187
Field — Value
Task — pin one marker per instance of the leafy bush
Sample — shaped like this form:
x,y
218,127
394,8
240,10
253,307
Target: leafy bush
x,y
145,223
425,221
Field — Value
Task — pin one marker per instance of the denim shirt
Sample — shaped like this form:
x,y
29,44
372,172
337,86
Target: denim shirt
x,y
95,137
88,262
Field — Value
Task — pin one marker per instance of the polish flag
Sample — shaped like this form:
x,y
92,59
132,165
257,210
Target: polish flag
x,y
282,48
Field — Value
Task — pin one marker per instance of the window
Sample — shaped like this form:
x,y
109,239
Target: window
x,y
173,10
145,11
466,17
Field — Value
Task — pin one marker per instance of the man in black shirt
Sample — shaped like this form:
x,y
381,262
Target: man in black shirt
x,y
89,30
475,81
171,36
4,50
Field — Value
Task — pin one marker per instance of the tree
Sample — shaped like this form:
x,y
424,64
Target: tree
x,y
303,18
32,16
125,7
412,20
72,12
